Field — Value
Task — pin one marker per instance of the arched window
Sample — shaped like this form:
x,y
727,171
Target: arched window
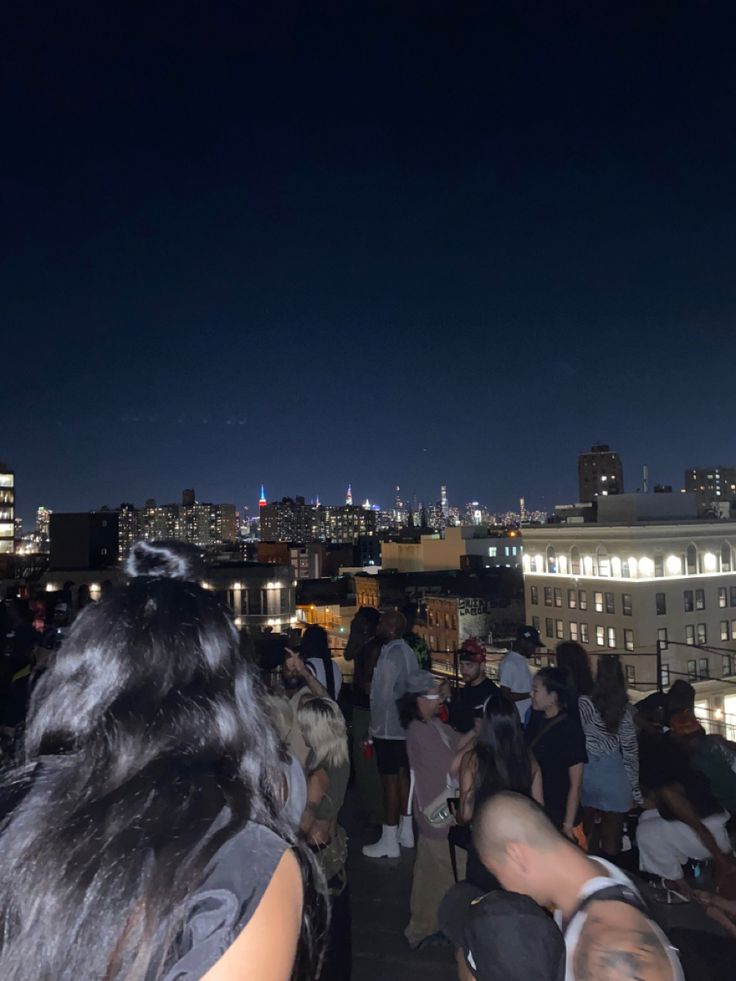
x,y
603,560
575,560
725,557
551,559
692,560
658,564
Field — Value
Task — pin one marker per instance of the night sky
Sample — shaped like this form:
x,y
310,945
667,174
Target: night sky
x,y
370,242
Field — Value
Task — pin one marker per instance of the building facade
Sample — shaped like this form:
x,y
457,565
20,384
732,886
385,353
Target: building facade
x,y
7,510
198,523
462,547
294,520
634,588
600,473
713,486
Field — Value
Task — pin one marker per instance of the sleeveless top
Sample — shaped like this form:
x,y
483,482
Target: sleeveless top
x,y
329,806
235,880
611,877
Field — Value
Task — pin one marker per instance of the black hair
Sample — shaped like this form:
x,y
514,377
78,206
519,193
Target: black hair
x,y
315,644
679,698
503,759
574,660
556,682
609,695
146,729
408,706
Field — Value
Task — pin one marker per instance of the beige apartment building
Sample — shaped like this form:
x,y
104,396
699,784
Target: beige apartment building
x,y
631,587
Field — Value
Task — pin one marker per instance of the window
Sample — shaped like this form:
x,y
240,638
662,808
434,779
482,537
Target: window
x,y
688,600
629,640
549,627
726,667
626,604
732,596
598,602
612,637
724,629
664,675
691,559
548,596
600,635
584,635
630,674
726,560
702,634
692,671
573,630
572,599
534,596
661,601
733,630
610,603
535,623
662,638
690,634
583,599
559,630
575,561
699,599
558,597
703,671
659,564
722,597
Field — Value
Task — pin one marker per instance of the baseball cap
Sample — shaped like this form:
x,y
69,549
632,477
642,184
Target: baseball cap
x,y
502,934
472,650
530,634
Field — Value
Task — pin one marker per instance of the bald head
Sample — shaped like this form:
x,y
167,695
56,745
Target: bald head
x,y
508,818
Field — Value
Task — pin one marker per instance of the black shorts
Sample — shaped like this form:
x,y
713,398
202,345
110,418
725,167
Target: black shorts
x,y
391,756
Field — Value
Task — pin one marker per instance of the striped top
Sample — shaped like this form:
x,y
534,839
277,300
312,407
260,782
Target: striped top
x,y
600,742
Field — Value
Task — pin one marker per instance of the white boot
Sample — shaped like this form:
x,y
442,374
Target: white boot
x,y
387,845
406,831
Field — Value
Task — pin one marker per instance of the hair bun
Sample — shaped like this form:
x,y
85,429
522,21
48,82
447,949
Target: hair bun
x,y
165,560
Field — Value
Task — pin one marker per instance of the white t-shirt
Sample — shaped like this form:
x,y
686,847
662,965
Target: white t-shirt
x,y
316,666
515,675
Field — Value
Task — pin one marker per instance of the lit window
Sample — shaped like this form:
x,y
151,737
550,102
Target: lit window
x,y
584,635
688,602
630,674
722,597
573,630
661,604
692,671
600,636
610,603
548,596
690,634
724,629
629,640
665,676
559,630
534,595
558,597
702,634
612,638
662,638
703,670
699,599
572,599
583,599
626,604
598,602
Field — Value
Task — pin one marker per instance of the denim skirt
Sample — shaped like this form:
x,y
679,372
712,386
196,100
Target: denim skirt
x,y
606,785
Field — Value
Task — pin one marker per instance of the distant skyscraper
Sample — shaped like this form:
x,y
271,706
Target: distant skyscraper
x,y
43,516
349,495
262,502
443,503
600,473
712,484
188,497
522,509
7,510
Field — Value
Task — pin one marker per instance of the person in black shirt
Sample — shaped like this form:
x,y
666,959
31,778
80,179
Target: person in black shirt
x,y
470,699
556,738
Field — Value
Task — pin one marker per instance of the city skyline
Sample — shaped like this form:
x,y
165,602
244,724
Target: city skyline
x,y
312,247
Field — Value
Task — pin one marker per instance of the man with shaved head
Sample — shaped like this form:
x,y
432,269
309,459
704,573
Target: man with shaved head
x,y
608,933
397,672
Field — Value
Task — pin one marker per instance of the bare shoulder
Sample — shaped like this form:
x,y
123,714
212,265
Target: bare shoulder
x,y
265,949
618,943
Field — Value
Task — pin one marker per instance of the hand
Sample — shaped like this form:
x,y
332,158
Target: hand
x,y
569,832
294,662
445,690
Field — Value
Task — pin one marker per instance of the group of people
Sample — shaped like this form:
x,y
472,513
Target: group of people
x,y
169,814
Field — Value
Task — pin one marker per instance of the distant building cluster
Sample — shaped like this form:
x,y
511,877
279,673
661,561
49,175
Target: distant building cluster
x,y
194,522
294,520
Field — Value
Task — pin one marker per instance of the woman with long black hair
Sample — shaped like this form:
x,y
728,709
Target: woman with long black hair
x,y
496,759
145,836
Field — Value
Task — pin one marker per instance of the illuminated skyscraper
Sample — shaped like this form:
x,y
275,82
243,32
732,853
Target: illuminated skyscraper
x,y
349,495
262,502
42,521
600,473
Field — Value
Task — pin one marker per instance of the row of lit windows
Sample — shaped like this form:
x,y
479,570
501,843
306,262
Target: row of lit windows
x,y
690,562
577,599
580,632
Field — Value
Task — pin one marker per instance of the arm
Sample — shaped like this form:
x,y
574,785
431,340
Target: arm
x,y
630,752
680,806
468,771
317,786
309,679
265,949
620,944
467,742
573,797
515,696
537,783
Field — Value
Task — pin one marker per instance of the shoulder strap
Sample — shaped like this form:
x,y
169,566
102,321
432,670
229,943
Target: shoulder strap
x,y
545,729
619,892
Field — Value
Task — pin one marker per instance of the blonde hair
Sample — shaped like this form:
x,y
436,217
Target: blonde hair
x,y
323,728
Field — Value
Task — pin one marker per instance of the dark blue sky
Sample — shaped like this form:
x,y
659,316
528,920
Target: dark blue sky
x,y
382,242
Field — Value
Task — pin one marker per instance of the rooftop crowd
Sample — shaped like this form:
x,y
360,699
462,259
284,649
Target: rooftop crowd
x,y
171,805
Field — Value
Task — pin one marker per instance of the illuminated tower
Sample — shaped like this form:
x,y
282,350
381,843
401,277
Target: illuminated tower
x,y
443,503
262,502
349,495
